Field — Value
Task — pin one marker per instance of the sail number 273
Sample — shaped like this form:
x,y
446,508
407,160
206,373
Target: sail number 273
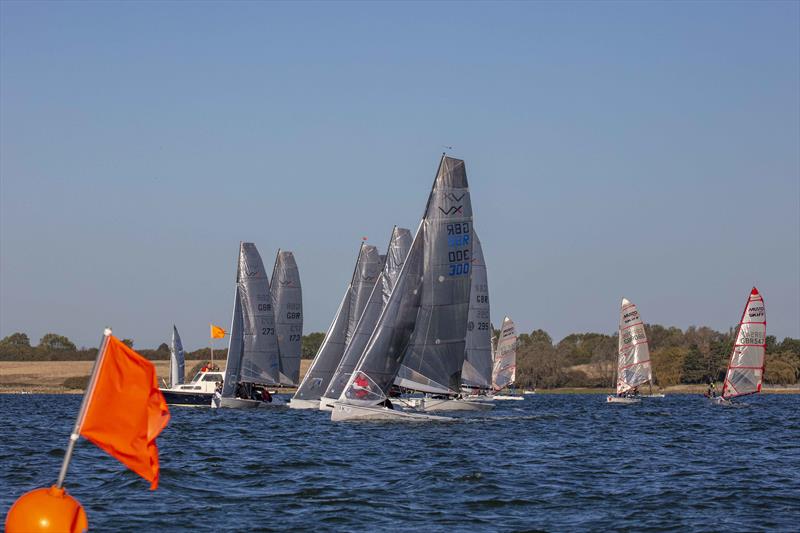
x,y
458,237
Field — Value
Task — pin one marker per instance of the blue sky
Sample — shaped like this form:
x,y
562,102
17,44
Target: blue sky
x,y
645,150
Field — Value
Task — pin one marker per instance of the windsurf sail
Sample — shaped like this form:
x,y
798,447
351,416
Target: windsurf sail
x,y
287,301
399,244
477,370
437,349
504,372
176,359
259,359
329,355
633,356
746,365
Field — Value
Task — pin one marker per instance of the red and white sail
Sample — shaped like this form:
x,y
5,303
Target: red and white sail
x,y
746,367
633,363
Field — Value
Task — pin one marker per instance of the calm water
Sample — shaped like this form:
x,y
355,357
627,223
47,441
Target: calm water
x,y
552,462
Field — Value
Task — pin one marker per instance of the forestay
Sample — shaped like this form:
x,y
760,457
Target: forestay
x,y
287,300
259,345
746,365
633,360
176,359
437,350
477,370
504,372
399,245
329,355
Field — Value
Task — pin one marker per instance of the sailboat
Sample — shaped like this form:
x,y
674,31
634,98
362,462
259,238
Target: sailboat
x,y
504,371
399,245
253,358
423,324
746,365
197,392
287,302
633,360
318,377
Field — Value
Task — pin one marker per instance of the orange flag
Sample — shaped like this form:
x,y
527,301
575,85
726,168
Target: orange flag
x,y
217,332
126,411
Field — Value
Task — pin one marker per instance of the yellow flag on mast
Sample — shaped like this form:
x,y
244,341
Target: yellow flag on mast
x,y
217,332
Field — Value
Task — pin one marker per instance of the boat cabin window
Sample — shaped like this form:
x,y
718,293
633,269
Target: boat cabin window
x,y
212,377
197,377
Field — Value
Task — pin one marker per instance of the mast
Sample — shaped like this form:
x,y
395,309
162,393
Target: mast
x,y
746,365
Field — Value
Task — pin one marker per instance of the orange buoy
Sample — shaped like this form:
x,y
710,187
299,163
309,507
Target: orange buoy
x,y
46,510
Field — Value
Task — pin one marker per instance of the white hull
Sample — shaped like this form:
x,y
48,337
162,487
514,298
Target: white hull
x,y
344,412
326,404
653,396
508,397
303,404
622,400
234,403
527,392
431,404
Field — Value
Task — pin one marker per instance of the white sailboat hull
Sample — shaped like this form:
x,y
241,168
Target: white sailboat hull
x,y
657,395
431,405
326,404
622,400
303,404
344,412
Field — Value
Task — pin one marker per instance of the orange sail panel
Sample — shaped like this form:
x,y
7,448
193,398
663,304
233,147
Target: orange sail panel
x,y
746,366
126,411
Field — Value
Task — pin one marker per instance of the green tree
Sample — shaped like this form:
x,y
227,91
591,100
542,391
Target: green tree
x,y
668,365
17,339
56,343
163,348
128,343
311,344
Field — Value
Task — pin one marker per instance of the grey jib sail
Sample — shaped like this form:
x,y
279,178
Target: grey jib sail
x,y
176,359
437,350
259,346
399,244
287,300
477,370
235,347
365,273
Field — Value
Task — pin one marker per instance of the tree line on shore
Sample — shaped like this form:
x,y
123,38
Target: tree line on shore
x,y
694,355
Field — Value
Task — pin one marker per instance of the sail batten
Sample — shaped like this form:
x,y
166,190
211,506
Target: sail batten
x,y
633,355
746,365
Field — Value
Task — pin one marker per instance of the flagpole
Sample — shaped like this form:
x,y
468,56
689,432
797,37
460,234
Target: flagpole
x,y
75,435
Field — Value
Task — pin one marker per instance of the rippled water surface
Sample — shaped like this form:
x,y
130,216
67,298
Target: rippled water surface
x,y
552,462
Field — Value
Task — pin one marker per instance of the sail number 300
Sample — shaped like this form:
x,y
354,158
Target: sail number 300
x,y
458,237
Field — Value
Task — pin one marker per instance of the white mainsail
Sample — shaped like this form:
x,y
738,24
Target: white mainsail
x,y
504,372
633,361
746,365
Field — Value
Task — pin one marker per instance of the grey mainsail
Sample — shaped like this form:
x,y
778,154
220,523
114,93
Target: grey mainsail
x,y
399,244
235,348
259,346
369,268
477,370
176,359
287,300
437,350
333,345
